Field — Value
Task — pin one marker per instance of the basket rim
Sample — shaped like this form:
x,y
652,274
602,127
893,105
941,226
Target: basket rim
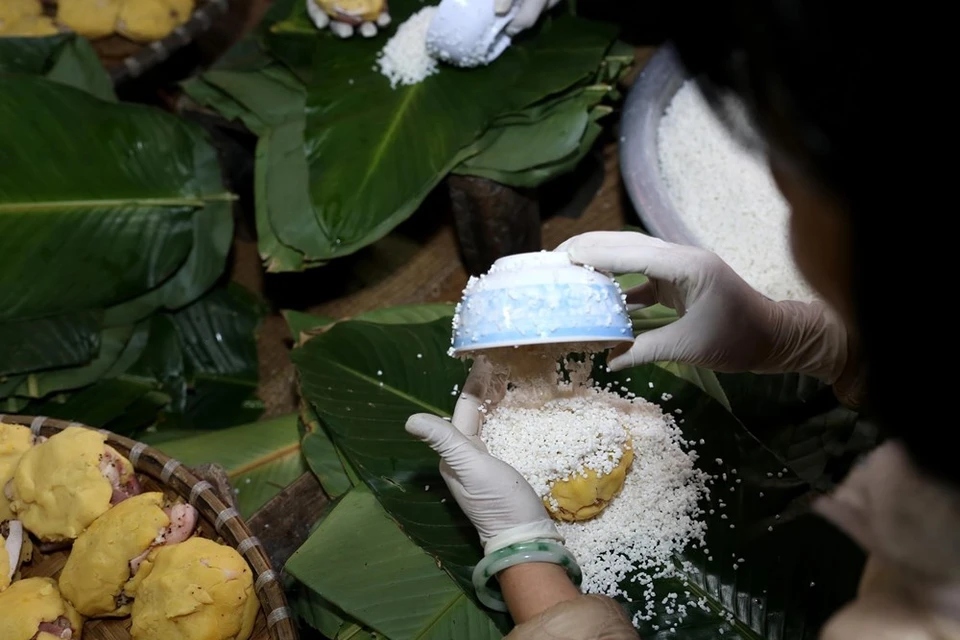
x,y
226,521
153,53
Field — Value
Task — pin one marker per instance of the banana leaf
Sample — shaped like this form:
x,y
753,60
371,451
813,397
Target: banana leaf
x,y
801,421
71,339
364,379
251,88
260,458
317,615
537,175
549,138
321,456
191,369
66,58
361,562
120,217
271,103
796,416
370,165
120,348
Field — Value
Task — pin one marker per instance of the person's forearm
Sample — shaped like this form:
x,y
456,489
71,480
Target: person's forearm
x,y
530,589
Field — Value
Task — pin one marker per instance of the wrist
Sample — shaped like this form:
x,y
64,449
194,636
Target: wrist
x,y
530,589
849,387
809,338
523,553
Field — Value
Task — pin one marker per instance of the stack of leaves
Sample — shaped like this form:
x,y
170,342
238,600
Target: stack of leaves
x,y
342,158
114,231
392,557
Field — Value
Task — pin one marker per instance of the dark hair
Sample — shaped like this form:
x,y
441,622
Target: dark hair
x,y
816,79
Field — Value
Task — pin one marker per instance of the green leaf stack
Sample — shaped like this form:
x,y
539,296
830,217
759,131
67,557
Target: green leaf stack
x,y
114,230
343,158
362,378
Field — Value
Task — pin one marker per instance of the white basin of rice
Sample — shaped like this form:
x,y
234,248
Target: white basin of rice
x,y
725,195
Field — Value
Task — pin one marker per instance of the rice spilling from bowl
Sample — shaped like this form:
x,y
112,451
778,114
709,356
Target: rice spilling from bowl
x,y
725,195
404,59
555,422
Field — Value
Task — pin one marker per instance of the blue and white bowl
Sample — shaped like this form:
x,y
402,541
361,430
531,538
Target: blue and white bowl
x,y
537,299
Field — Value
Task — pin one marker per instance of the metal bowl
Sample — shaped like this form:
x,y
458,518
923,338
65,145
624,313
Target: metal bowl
x,y
649,97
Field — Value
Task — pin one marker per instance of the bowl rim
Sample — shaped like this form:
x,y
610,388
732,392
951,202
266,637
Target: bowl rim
x,y
226,520
529,342
645,105
549,259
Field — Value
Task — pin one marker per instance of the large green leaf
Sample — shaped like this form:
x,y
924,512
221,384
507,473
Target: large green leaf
x,y
261,97
48,343
271,103
120,348
260,458
800,420
122,216
370,162
205,356
123,405
32,56
365,379
194,369
66,58
78,65
321,455
362,563
544,140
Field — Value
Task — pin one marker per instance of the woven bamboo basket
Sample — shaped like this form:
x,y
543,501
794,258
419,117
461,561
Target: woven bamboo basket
x,y
126,60
159,472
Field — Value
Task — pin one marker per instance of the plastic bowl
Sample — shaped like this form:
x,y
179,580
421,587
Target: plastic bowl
x,y
537,299
645,105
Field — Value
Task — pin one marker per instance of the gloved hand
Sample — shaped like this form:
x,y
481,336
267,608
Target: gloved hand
x,y
527,15
499,502
724,325
343,16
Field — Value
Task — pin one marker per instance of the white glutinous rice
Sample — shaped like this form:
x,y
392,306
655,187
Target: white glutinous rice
x,y
550,428
726,196
404,59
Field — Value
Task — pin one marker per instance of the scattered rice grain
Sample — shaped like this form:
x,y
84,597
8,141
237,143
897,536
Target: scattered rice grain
x,y
726,197
404,59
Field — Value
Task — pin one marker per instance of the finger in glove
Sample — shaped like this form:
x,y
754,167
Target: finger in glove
x,y
666,344
482,390
642,296
454,447
527,16
630,252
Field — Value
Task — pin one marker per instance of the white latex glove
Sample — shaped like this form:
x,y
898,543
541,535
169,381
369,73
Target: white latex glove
x,y
344,24
724,324
528,14
498,501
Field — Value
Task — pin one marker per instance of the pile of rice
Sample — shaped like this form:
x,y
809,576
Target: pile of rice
x,y
725,195
550,429
404,59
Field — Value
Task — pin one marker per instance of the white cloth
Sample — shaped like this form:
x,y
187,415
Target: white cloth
x,y
909,524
